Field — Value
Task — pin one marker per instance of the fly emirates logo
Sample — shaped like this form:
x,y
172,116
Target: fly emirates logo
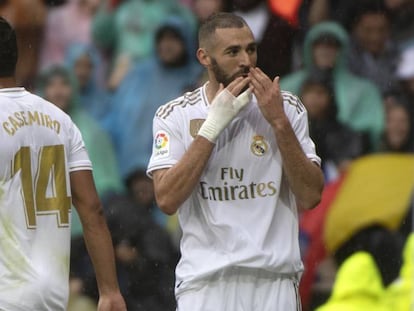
x,y
232,186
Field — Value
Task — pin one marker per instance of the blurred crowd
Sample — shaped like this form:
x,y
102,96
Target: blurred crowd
x,y
111,63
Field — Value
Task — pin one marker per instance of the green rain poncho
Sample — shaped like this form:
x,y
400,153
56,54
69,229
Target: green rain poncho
x,y
359,101
131,27
97,142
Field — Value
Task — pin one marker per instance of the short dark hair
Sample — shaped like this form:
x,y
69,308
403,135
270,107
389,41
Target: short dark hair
x,y
362,8
8,49
218,21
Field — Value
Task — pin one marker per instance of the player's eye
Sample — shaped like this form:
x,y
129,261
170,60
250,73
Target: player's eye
x,y
251,49
233,52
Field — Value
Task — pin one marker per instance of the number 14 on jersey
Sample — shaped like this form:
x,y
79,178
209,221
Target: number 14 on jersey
x,y
50,175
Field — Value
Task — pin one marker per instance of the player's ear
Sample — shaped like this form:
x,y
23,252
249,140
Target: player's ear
x,y
203,57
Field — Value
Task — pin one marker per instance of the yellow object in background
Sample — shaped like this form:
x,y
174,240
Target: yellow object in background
x,y
376,190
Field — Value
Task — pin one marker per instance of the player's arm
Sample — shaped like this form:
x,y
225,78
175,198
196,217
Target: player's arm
x,y
174,185
304,176
97,238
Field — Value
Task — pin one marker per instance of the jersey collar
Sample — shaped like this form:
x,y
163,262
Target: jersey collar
x,y
12,89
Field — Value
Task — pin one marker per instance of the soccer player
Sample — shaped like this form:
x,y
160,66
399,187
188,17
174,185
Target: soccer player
x,y
43,162
234,158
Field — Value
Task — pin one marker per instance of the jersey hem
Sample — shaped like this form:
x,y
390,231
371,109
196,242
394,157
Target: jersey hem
x,y
314,158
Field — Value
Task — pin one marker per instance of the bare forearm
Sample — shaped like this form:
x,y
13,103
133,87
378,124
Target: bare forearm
x,y
176,184
100,249
304,177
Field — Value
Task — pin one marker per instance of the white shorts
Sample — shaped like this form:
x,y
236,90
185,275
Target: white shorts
x,y
242,289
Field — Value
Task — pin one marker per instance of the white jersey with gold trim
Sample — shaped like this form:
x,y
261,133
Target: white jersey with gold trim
x,y
242,212
40,146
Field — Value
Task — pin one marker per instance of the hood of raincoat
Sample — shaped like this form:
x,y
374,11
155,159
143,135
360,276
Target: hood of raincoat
x,y
326,29
59,71
358,276
92,97
76,51
183,30
358,286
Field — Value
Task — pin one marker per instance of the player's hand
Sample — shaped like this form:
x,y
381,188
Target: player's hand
x,y
225,107
111,302
268,95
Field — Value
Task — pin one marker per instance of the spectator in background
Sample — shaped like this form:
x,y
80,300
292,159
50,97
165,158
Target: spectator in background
x,y
145,257
161,78
85,62
129,30
274,35
357,286
384,245
402,22
368,262
336,143
398,127
141,191
66,24
372,55
202,9
358,101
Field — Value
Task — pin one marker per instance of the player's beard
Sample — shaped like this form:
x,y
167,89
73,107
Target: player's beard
x,y
222,77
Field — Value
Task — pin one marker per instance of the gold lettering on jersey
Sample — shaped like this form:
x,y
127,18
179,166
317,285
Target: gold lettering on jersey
x,y
195,125
21,119
232,187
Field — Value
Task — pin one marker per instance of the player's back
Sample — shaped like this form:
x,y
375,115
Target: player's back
x,y
37,140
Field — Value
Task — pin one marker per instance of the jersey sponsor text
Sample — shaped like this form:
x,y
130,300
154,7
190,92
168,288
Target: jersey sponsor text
x,y
233,187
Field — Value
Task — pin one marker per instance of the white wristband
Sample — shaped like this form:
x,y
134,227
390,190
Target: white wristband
x,y
223,109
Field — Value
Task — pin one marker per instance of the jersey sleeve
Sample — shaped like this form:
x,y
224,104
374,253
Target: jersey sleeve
x,y
78,158
167,147
300,126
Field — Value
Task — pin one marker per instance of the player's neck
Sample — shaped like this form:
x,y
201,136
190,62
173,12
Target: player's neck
x,y
7,82
211,90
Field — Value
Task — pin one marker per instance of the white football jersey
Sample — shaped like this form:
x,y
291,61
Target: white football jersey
x,y
242,212
40,146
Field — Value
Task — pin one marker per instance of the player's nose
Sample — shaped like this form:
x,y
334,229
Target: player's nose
x,y
244,60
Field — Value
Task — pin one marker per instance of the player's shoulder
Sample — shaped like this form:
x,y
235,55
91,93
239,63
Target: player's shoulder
x,y
184,102
292,102
50,108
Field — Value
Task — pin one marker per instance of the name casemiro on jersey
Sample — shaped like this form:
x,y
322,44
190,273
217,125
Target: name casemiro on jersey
x,y
21,119
232,186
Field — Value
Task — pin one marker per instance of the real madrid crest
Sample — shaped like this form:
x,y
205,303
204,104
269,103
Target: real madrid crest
x,y
259,145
